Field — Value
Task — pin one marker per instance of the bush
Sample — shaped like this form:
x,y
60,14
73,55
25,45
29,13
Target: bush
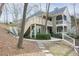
x,y
73,35
43,36
77,37
40,36
56,35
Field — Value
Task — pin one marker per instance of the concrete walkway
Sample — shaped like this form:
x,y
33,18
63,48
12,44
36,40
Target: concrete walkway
x,y
43,49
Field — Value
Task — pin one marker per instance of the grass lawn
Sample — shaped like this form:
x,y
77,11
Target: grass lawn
x,y
60,49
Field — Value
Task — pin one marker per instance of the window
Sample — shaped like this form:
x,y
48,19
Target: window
x,y
39,30
44,17
59,29
50,18
65,17
65,29
59,17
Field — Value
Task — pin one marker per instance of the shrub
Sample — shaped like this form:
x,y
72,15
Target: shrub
x,y
25,36
73,35
56,35
43,36
77,37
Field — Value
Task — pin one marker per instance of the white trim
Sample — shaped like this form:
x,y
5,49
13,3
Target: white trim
x,y
76,46
68,42
43,40
72,44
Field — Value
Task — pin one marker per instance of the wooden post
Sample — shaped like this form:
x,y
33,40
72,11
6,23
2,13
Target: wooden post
x,y
30,31
63,26
35,31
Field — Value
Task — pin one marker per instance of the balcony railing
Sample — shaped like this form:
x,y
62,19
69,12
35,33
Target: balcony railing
x,y
59,21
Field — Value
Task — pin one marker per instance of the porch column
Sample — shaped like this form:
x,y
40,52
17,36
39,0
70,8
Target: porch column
x,y
35,30
54,28
63,26
30,31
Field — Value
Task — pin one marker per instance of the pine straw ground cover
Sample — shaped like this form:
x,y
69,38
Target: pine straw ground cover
x,y
60,49
8,45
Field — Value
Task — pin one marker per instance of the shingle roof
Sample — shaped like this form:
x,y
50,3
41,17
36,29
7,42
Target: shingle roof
x,y
36,14
58,10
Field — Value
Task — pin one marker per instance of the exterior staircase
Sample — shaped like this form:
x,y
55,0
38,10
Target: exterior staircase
x,y
73,42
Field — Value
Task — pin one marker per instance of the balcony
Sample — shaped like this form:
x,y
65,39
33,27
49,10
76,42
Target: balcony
x,y
59,22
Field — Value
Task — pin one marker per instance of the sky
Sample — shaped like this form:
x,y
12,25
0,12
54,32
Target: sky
x,y
68,5
35,7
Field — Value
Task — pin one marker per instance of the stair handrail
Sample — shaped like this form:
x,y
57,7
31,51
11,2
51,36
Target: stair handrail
x,y
73,39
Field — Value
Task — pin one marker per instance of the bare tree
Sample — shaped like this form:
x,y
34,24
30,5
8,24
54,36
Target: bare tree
x,y
6,14
75,18
1,6
16,11
32,8
47,12
20,41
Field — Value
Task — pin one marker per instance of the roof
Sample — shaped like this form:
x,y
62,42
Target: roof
x,y
58,10
36,14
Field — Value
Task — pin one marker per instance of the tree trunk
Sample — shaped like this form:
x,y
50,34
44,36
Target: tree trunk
x,y
1,8
47,12
20,41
